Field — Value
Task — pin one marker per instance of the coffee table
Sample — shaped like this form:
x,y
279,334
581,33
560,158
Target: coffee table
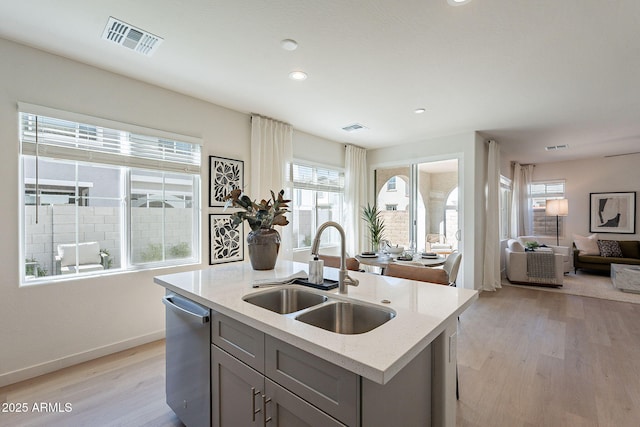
x,y
626,277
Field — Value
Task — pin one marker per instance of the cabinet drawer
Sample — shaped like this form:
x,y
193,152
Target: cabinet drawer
x,y
239,340
327,386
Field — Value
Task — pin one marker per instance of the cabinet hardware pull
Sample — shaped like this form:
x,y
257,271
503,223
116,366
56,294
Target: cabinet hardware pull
x,y
254,411
265,400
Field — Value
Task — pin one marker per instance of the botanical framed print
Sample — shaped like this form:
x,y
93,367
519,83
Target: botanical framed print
x,y
225,175
612,212
226,241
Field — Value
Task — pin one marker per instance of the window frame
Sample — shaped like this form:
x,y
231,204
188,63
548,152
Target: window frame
x,y
94,126
506,195
549,222
316,189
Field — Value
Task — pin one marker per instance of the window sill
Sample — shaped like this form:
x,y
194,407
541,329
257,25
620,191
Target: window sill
x,y
52,280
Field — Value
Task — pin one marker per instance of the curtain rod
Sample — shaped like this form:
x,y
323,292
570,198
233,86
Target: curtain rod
x,y
268,118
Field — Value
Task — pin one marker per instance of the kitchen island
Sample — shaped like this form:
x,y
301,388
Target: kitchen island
x,y
423,331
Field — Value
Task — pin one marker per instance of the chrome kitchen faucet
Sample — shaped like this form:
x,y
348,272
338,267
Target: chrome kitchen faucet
x,y
343,276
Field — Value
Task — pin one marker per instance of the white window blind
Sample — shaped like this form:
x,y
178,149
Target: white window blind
x,y
71,140
317,178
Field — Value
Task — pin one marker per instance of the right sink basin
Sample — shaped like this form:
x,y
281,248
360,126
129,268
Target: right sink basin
x,y
347,317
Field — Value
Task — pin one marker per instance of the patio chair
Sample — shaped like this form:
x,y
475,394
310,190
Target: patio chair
x,y
89,258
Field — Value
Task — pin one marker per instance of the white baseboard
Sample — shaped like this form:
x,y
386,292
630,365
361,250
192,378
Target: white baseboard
x,y
74,359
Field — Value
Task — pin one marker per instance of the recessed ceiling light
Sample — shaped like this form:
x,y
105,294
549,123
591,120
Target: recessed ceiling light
x,y
457,2
298,75
419,110
289,44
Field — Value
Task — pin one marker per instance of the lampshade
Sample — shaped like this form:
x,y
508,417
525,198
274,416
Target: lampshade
x,y
557,207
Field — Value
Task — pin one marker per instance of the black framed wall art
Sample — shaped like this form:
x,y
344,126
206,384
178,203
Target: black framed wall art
x,y
226,240
225,175
612,212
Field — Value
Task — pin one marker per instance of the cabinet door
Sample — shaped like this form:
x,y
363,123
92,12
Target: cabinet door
x,y
236,392
285,409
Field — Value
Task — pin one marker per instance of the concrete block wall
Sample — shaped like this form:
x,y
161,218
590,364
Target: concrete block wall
x,y
57,225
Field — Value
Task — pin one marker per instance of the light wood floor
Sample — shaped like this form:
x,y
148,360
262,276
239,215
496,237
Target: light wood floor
x,y
526,358
535,358
123,389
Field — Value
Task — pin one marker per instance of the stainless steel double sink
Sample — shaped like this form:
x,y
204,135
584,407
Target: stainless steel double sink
x,y
337,315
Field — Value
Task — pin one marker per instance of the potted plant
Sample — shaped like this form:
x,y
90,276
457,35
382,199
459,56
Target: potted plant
x,y
375,225
263,240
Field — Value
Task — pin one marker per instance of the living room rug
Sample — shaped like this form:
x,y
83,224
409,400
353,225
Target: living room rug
x,y
586,285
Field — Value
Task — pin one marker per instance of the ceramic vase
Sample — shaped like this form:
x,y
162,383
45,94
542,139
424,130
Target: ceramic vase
x,y
263,245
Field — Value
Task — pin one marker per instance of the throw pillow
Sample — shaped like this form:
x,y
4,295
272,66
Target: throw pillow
x,y
630,248
609,248
515,246
587,245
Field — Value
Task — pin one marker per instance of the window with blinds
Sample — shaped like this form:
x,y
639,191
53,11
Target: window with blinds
x,y
99,197
539,193
317,197
53,137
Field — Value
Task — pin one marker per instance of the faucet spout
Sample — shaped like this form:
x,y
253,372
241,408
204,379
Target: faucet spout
x,y
343,276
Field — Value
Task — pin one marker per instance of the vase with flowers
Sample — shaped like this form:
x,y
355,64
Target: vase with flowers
x,y
263,240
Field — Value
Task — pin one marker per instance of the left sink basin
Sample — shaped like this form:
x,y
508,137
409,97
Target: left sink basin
x,y
286,300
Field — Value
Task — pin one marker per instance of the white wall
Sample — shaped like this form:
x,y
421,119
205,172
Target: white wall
x,y
318,150
470,149
45,327
598,175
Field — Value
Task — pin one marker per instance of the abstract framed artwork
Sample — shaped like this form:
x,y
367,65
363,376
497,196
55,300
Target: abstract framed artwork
x,y
224,175
612,212
226,241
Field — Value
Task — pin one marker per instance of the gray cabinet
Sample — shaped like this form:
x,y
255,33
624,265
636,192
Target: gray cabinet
x,y
331,388
285,409
236,392
258,380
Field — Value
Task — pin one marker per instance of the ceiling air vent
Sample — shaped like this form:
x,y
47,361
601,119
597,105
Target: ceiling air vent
x,y
354,127
131,37
556,147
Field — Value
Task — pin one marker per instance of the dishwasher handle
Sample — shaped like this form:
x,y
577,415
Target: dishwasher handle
x,y
182,305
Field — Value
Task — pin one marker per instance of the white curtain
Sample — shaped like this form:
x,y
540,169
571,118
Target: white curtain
x,y
491,276
271,158
355,195
521,217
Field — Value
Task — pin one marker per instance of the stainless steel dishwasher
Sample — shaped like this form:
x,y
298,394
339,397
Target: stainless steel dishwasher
x,y
188,361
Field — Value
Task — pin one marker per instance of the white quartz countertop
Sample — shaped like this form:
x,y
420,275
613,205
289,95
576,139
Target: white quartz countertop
x,y
422,312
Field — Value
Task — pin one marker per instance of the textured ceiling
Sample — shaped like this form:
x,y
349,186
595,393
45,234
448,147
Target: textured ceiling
x,y
527,73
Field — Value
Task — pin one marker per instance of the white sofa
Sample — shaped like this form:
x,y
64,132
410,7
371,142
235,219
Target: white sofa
x,y
89,258
516,264
565,251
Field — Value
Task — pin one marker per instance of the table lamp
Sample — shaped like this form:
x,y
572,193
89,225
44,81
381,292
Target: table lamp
x,y
557,208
